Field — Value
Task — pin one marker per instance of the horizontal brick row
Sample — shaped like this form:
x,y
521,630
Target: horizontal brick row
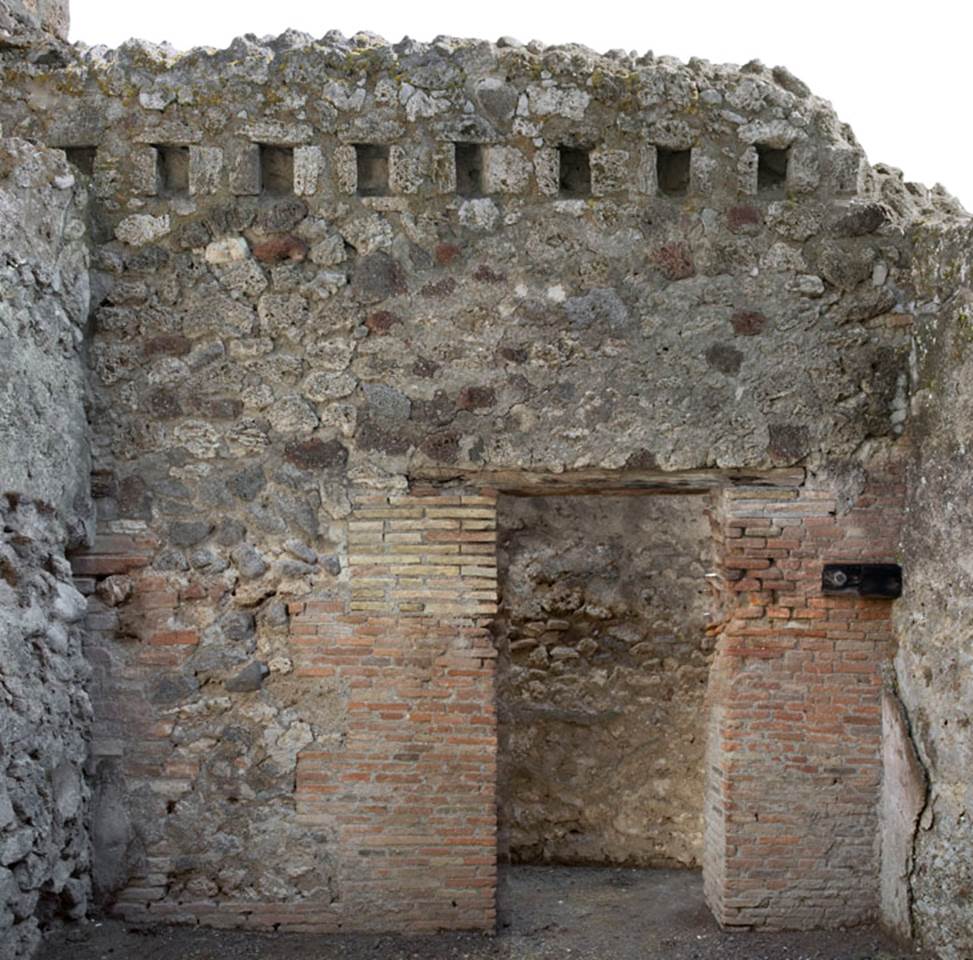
x,y
424,556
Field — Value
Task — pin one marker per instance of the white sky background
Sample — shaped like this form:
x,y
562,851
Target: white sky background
x,y
899,73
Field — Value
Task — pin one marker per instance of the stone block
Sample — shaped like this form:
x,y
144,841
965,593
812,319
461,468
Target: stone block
x,y
205,170
443,168
611,172
804,169
145,171
747,171
308,170
505,170
646,179
244,169
407,169
346,168
704,172
848,169
546,170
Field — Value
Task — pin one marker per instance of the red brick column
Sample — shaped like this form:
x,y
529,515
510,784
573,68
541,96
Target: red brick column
x,y
410,792
138,629
794,756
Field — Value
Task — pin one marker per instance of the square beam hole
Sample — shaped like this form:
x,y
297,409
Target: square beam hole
x,y
373,169
575,172
771,169
672,171
82,159
173,169
276,169
469,169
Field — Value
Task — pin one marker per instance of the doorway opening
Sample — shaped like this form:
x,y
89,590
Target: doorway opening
x,y
603,661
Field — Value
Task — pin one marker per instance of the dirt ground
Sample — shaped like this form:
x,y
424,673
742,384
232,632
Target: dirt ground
x,y
570,913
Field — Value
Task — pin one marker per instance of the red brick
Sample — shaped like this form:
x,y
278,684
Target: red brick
x,y
174,637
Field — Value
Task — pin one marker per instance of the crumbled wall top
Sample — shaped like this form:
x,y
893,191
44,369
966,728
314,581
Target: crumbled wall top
x,y
20,16
646,262
471,90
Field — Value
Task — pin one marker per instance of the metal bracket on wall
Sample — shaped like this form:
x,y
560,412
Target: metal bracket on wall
x,y
881,581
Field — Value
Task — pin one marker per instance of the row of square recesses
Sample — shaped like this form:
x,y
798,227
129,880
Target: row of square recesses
x,y
372,159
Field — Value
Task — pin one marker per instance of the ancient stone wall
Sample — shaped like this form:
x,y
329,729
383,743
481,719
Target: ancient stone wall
x,y
343,293
603,664
928,830
238,223
45,510
353,729
20,17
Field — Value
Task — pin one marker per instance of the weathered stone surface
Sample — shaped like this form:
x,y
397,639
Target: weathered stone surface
x,y
45,722
317,455
52,16
903,800
377,277
935,642
185,534
272,347
45,509
248,679
278,249
386,402
249,562
140,229
227,250
861,219
43,310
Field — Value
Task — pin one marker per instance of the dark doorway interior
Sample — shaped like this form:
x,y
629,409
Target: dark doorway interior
x,y
603,663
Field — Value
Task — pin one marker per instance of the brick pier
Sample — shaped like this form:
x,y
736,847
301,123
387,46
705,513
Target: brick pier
x,y
794,747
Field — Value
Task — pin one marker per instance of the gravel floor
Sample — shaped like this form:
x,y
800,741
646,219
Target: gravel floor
x,y
570,913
